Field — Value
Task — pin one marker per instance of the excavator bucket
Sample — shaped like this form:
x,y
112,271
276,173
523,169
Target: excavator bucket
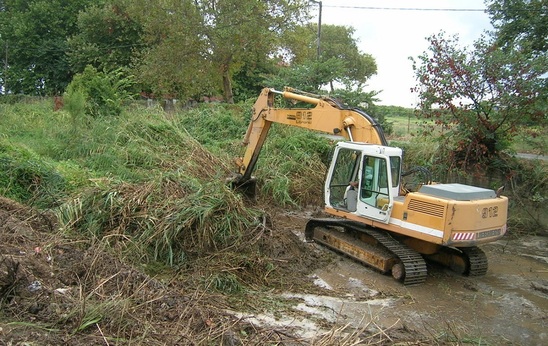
x,y
247,187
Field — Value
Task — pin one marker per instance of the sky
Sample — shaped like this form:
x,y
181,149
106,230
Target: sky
x,y
392,36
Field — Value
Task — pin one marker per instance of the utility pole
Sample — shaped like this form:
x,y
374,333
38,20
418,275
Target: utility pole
x,y
319,26
5,86
5,75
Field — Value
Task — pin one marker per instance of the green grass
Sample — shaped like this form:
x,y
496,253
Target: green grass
x,y
94,168
531,140
404,126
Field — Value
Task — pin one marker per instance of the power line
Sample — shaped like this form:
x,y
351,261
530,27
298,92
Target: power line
x,y
409,8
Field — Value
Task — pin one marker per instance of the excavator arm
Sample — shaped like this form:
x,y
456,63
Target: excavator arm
x,y
327,116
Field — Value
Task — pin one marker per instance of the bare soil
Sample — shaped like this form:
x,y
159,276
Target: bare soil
x,y
58,290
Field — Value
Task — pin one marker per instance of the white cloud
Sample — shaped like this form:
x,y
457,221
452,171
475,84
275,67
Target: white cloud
x,y
391,36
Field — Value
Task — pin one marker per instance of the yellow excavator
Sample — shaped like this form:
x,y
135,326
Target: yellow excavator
x,y
373,219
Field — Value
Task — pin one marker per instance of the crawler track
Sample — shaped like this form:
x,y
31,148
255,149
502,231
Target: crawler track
x,y
476,261
408,266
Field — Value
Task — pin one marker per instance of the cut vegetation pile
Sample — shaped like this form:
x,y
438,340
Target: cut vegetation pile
x,y
77,291
136,239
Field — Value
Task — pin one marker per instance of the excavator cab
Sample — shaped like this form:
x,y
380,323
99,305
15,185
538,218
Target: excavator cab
x,y
375,168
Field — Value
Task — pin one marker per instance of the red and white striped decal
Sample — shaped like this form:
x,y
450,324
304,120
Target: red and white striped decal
x,y
464,236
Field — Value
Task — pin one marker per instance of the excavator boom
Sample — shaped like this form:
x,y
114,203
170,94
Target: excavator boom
x,y
327,116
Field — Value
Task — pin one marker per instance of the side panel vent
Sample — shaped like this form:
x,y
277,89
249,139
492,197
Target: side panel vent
x,y
426,208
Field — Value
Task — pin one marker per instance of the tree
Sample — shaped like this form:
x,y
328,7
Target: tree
x,y
309,76
107,38
338,45
34,33
520,23
237,30
196,47
173,63
479,96
521,26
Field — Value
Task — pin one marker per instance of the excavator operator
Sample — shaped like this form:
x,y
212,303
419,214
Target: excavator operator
x,y
351,195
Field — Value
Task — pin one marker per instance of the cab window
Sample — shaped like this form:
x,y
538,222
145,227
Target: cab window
x,y
375,189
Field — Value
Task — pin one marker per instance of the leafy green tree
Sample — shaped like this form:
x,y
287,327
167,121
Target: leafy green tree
x,y
173,63
196,47
248,81
479,96
520,23
337,45
34,34
521,26
308,76
239,30
107,38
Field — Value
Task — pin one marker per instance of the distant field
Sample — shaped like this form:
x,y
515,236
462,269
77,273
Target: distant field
x,y
530,140
404,126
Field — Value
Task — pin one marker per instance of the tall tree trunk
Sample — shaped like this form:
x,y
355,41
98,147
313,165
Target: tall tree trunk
x,y
227,85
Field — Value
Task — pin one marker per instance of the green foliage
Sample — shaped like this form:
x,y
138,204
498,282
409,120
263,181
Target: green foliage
x,y
422,151
130,147
233,34
293,161
482,98
216,127
26,178
309,76
107,38
249,80
338,43
32,134
478,97
293,167
102,93
168,220
35,32
175,49
75,102
520,23
340,59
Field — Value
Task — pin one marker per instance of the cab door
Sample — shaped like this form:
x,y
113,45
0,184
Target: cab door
x,y
375,199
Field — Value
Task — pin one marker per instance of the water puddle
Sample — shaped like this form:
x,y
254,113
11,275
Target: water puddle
x,y
313,315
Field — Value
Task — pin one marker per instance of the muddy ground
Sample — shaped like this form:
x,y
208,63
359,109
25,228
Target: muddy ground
x,y
56,290
508,306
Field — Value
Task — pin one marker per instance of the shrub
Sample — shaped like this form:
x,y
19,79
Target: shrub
x,y
26,178
97,93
